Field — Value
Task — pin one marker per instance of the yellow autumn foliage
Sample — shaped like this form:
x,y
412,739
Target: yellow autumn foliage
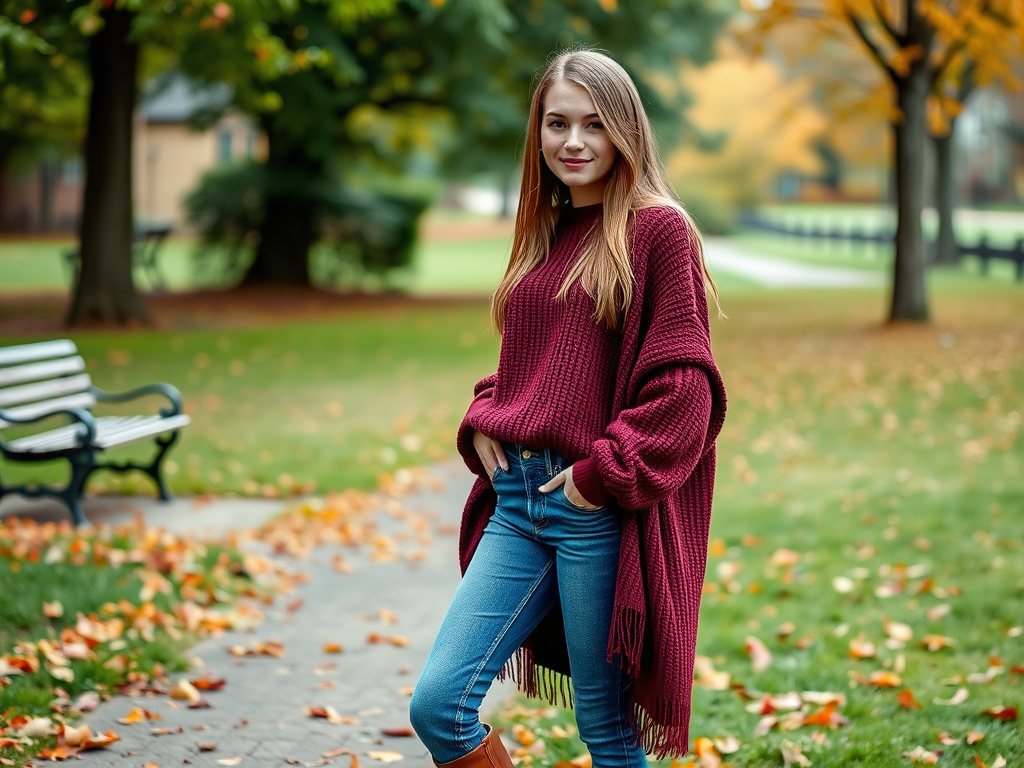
x,y
768,126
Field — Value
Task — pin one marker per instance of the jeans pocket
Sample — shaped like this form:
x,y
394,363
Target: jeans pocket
x,y
577,507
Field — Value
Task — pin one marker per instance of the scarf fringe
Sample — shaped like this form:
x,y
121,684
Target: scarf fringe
x,y
627,639
537,681
663,732
656,735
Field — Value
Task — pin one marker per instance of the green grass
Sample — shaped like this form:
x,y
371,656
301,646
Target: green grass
x,y
333,402
888,456
439,266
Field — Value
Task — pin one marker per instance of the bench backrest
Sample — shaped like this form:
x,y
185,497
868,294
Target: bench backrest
x,y
40,378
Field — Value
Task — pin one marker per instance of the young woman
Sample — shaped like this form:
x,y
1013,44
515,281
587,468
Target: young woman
x,y
584,539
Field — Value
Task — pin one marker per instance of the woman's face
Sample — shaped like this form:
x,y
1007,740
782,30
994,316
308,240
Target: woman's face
x,y
575,144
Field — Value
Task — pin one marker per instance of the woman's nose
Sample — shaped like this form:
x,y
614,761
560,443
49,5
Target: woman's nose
x,y
574,141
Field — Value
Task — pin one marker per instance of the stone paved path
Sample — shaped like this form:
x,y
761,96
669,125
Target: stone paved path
x,y
258,715
724,255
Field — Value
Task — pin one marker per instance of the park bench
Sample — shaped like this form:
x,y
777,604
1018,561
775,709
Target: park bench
x,y
147,241
47,379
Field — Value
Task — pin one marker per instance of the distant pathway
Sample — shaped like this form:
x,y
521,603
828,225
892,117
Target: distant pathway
x,y
771,272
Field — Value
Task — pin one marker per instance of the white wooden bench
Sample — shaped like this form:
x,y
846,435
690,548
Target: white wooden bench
x,y
46,379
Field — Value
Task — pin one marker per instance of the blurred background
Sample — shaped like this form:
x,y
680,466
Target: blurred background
x,y
296,212
252,186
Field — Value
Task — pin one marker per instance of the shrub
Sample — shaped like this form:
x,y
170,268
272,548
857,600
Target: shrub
x,y
361,230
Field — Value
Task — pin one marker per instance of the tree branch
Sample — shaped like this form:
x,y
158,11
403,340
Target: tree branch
x,y
966,83
951,53
897,38
862,32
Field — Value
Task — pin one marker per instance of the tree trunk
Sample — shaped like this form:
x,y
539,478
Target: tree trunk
x,y
6,150
945,241
508,194
47,176
289,223
909,292
287,234
105,289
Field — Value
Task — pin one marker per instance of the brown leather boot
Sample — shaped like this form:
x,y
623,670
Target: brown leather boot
x,y
490,754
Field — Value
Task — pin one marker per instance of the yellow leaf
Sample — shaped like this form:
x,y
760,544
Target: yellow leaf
x,y
386,757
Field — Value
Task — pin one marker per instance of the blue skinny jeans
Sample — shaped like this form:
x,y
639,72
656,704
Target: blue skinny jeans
x,y
538,551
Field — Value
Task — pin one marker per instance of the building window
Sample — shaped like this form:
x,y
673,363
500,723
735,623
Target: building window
x,y
224,145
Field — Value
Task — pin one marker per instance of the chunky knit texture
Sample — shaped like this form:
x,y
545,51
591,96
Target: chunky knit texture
x,y
638,411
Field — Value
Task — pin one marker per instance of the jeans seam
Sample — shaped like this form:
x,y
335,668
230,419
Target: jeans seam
x,y
490,652
622,716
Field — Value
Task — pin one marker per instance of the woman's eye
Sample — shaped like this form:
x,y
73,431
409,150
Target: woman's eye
x,y
556,124
598,126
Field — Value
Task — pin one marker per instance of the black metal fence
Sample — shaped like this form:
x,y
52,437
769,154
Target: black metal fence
x,y
868,242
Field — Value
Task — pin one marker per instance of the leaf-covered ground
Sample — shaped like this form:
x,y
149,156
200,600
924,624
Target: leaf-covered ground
x,y
90,613
864,601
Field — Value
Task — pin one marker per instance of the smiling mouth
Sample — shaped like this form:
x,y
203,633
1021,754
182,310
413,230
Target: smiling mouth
x,y
574,164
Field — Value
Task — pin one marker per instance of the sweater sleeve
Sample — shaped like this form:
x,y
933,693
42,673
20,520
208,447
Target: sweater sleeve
x,y
650,450
482,392
675,398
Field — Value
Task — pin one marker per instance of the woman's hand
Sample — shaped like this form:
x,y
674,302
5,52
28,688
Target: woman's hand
x,y
571,493
491,454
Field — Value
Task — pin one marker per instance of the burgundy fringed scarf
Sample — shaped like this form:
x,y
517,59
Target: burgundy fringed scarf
x,y
639,410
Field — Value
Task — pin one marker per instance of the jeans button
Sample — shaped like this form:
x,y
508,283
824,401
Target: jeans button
x,y
528,454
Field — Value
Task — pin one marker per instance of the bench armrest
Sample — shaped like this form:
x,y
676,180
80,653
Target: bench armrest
x,y
82,416
167,390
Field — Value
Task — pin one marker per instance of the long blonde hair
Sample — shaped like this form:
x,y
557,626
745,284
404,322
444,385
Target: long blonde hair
x,y
637,180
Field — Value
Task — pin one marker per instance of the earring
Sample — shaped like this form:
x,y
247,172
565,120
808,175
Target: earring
x,y
541,152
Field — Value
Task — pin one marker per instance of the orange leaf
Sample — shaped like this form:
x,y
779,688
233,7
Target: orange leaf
x,y
827,716
398,640
861,648
1001,713
332,648
209,683
936,642
884,679
101,740
60,752
707,755
343,751
906,699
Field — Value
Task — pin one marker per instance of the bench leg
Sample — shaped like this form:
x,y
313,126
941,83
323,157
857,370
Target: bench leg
x,y
155,469
81,468
82,465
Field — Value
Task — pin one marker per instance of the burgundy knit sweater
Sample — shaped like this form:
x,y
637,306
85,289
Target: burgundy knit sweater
x,y
637,411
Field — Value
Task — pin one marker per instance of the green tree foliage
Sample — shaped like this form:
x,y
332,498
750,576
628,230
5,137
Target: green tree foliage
x,y
353,96
42,93
107,36
377,91
365,90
